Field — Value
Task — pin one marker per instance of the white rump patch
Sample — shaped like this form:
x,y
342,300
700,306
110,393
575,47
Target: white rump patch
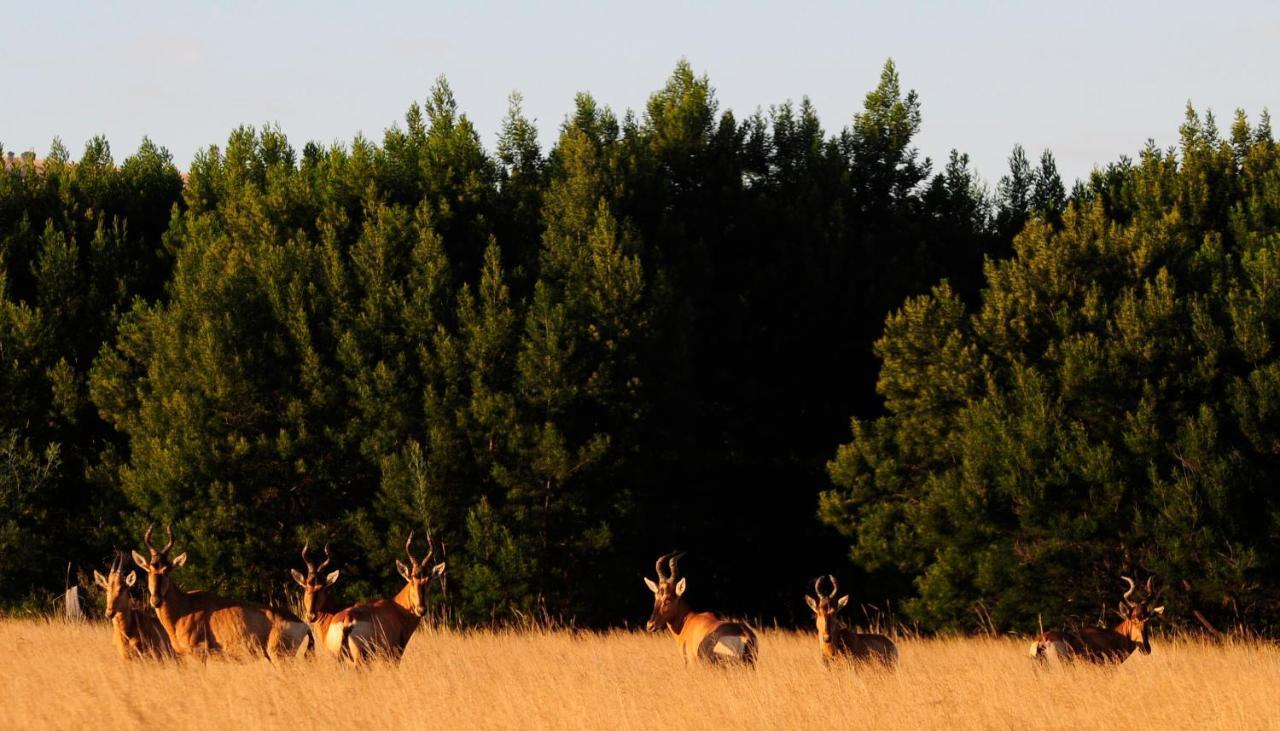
x,y
333,638
731,647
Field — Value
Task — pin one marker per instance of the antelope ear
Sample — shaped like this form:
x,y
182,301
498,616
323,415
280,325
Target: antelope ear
x,y
680,587
180,559
298,577
813,603
99,579
652,586
332,578
130,579
843,601
404,571
139,559
1158,610
439,569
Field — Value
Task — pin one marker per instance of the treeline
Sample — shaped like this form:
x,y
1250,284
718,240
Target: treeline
x,y
566,362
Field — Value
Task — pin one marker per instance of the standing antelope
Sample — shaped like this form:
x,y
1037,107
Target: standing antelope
x,y
1104,646
700,636
200,622
391,622
839,642
341,632
136,634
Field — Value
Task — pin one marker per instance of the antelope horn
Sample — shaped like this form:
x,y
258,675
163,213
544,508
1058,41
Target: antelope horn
x,y
431,549
817,587
328,558
835,587
1129,593
168,530
146,538
311,569
1150,590
675,560
407,546
662,560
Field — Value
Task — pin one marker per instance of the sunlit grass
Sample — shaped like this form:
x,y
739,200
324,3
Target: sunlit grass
x,y
68,676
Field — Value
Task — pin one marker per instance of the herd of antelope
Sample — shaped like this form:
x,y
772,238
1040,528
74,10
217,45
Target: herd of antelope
x,y
200,623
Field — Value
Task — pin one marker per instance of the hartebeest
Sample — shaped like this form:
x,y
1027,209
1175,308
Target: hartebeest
x,y
199,622
1104,646
392,622
135,633
700,636
341,632
839,642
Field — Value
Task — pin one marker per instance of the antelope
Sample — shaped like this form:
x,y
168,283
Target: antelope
x,y
701,637
341,632
839,642
1104,646
392,622
198,622
136,634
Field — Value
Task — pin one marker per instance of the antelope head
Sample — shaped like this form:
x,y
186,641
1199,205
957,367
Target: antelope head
x,y
666,591
417,575
825,607
159,565
1138,614
116,584
315,585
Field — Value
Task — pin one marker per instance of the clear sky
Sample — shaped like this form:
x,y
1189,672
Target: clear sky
x,y
1090,80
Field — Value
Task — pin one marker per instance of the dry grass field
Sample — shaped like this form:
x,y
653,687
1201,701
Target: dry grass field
x,y
68,676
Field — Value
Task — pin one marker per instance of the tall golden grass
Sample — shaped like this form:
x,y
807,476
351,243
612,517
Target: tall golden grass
x,y
59,675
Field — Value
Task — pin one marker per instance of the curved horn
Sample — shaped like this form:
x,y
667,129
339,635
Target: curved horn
x,y
835,586
662,561
413,562
169,531
1150,589
328,559
311,569
146,538
674,562
1129,593
817,587
431,549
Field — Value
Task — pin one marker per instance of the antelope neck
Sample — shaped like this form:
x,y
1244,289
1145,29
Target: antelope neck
x,y
403,601
679,616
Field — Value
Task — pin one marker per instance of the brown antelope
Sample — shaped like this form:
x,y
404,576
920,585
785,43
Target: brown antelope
x,y
339,631
391,622
839,642
136,634
1104,646
198,622
700,636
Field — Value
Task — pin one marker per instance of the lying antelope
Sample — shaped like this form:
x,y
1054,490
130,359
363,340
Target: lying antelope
x,y
1104,646
839,642
700,636
392,622
135,634
198,622
341,632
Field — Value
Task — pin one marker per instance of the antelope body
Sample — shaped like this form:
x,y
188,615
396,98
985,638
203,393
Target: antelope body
x,y
1103,646
339,632
135,633
701,637
198,622
841,643
384,626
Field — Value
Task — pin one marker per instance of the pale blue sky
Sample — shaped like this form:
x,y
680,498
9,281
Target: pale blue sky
x,y
1090,80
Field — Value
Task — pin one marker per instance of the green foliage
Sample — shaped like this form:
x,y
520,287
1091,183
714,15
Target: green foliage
x,y
1107,408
